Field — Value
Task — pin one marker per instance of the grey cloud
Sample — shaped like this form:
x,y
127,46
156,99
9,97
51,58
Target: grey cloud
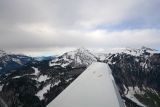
x,y
45,24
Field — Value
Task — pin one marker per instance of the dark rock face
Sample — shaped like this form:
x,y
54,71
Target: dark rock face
x,y
141,71
130,72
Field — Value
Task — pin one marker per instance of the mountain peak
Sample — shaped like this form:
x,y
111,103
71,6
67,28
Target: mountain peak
x,y
147,48
79,57
134,51
82,49
2,53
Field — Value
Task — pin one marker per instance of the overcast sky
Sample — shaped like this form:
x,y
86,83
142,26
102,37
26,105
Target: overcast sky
x,y
37,27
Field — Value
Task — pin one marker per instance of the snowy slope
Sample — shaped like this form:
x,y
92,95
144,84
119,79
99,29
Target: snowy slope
x,y
77,58
130,92
133,51
95,87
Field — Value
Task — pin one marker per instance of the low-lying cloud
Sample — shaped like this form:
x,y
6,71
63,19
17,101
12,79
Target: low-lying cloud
x,y
39,26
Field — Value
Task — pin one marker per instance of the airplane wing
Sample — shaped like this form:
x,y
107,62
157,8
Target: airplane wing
x,y
95,87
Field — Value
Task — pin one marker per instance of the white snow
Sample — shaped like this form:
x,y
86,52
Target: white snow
x,y
16,77
17,60
101,56
64,65
69,79
1,86
114,63
53,63
95,87
144,65
137,60
130,94
56,83
43,91
36,71
42,78
131,51
78,57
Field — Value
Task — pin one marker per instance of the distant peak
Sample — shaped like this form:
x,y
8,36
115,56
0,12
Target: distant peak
x,y
143,48
2,53
82,50
147,48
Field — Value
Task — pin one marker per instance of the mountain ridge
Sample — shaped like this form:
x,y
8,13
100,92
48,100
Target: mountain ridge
x,y
137,77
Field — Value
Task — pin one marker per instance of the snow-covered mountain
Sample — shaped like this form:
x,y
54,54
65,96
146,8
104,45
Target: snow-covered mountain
x,y
135,69
136,73
138,52
78,58
129,51
10,61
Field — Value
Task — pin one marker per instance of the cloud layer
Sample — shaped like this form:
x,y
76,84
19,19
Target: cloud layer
x,y
50,25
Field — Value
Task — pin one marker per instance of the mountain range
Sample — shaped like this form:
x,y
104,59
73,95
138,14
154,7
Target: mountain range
x,y
35,82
